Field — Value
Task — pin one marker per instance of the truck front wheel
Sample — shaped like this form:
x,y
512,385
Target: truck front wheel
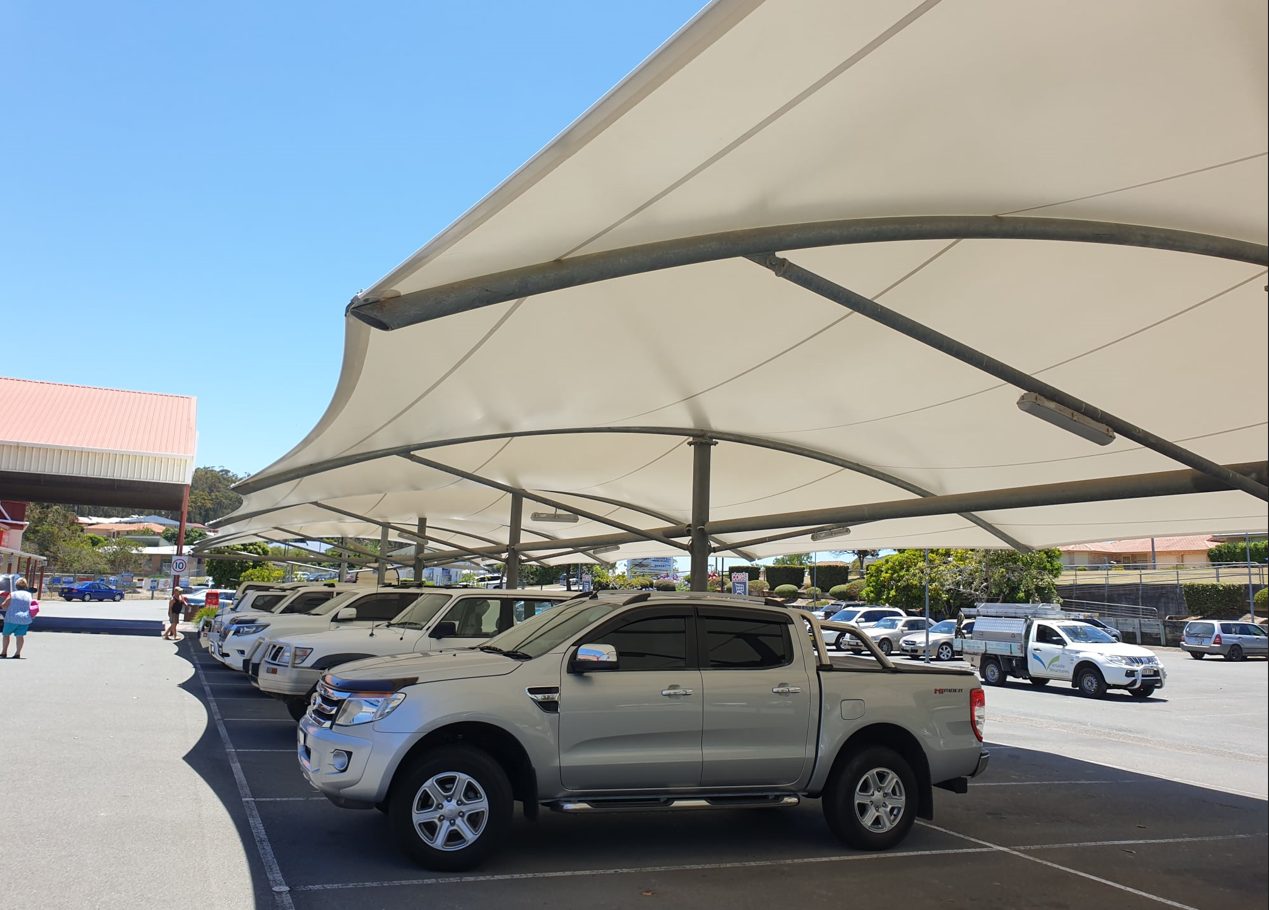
x,y
871,800
1090,682
297,705
451,808
992,672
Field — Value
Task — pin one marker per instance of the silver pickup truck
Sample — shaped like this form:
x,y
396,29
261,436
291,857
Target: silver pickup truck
x,y
650,701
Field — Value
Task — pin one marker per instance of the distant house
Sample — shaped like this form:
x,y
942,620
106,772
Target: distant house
x,y
1167,552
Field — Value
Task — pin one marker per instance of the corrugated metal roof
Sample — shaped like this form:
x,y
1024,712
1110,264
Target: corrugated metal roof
x,y
1184,544
50,414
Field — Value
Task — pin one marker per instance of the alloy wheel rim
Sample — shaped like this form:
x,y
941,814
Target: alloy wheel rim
x,y
450,811
879,800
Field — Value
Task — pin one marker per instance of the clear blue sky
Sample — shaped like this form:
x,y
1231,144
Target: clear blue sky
x,y
192,192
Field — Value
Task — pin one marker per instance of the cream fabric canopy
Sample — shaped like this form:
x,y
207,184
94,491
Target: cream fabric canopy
x,y
758,115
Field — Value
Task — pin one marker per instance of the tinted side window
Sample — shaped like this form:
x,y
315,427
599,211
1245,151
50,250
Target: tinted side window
x,y
379,607
524,609
874,615
474,617
307,603
656,643
746,644
1048,636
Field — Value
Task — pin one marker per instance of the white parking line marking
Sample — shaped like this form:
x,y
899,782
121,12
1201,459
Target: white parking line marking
x,y
1034,783
1061,868
282,799
262,720
281,893
1144,841
581,873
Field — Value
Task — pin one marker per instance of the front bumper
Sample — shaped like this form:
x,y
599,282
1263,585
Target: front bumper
x,y
1134,677
235,649
371,757
280,680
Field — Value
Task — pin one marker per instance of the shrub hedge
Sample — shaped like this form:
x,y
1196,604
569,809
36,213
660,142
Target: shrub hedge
x,y
828,577
786,591
1215,601
1261,599
665,584
785,575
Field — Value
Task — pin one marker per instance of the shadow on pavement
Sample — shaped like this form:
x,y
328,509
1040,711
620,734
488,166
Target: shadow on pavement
x,y
1038,830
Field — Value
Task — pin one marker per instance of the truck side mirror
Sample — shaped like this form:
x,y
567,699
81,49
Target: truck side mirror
x,y
591,658
347,614
444,630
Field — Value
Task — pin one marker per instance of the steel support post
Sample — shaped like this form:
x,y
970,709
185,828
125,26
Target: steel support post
x,y
420,545
700,543
343,560
513,540
381,573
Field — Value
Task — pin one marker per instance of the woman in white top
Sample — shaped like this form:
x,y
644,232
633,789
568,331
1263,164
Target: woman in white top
x,y
17,618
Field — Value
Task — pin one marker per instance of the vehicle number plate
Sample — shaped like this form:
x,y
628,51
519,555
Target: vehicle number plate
x,y
1149,672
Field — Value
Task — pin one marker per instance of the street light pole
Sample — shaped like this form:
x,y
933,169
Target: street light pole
x,y
925,584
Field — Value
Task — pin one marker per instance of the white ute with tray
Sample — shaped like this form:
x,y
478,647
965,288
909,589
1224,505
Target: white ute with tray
x,y
1042,642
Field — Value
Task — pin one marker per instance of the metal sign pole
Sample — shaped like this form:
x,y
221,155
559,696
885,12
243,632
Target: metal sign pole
x,y
925,584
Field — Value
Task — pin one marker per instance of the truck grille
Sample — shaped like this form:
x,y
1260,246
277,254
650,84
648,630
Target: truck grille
x,y
273,655
1139,661
326,705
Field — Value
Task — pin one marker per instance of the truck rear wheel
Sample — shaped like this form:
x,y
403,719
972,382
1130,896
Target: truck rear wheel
x,y
871,800
992,672
450,808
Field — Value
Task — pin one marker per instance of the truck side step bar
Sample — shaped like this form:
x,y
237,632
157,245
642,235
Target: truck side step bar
x,y
653,804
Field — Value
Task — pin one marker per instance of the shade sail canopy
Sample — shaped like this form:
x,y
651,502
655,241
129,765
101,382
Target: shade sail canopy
x,y
1075,192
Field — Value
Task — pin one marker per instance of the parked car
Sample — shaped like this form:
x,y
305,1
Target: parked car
x,y
242,631
198,599
888,630
862,617
1041,643
1109,630
647,701
91,590
940,640
1230,639
430,619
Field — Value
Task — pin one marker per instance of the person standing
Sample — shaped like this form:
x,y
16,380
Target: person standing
x,y
175,610
17,619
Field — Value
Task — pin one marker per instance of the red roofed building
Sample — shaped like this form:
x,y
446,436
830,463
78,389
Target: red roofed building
x,y
80,444
1189,550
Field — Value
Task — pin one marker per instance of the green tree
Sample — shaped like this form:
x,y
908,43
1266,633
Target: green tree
x,y
50,527
265,571
227,573
209,494
192,535
78,558
1236,551
961,578
794,559
121,555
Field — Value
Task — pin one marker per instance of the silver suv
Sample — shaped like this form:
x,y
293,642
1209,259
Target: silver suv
x,y
1231,640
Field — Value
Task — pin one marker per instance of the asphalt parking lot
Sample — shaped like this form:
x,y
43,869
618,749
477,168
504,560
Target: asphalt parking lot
x,y
1043,829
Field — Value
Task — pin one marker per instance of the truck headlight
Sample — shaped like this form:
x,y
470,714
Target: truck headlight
x,y
301,655
1118,660
248,628
362,709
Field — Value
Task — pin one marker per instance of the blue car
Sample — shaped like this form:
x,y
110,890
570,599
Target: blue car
x,y
91,590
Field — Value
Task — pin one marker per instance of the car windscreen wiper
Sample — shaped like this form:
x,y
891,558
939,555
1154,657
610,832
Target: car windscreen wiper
x,y
514,655
405,625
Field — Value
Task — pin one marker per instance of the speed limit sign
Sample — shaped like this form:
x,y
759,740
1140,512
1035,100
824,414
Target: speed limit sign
x,y
180,565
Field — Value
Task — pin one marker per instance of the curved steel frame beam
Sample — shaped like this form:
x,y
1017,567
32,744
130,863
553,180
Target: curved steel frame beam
x,y
254,484
923,334
536,497
1102,489
722,546
390,313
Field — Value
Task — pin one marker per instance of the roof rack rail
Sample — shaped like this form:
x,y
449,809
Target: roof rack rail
x,y
637,598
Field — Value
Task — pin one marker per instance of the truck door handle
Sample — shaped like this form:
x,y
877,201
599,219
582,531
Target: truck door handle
x,y
784,689
1035,650
675,692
